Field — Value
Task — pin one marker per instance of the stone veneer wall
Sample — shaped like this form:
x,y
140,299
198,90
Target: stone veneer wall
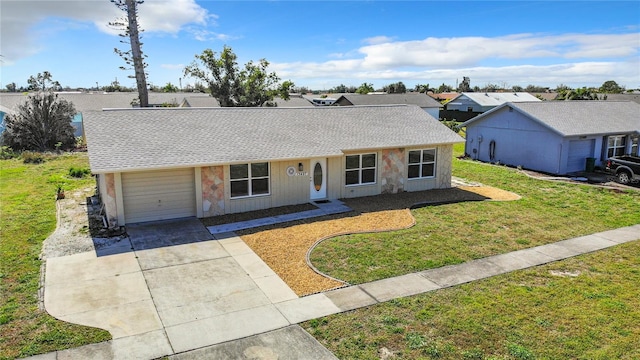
x,y
392,171
212,191
445,156
109,200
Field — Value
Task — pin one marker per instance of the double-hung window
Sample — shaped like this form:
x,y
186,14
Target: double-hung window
x,y
249,179
422,163
616,145
360,169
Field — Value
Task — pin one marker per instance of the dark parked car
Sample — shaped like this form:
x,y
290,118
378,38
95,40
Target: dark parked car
x,y
626,168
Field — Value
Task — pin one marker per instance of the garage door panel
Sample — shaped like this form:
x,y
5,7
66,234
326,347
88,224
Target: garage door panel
x,y
160,203
158,195
150,196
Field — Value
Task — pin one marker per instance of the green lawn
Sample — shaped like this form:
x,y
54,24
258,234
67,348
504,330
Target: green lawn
x,y
587,307
592,312
27,217
455,233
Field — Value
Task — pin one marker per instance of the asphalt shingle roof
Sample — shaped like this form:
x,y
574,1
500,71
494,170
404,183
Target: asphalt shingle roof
x,y
97,101
572,118
422,100
137,139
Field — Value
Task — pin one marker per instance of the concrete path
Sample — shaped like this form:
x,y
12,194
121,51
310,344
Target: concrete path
x,y
178,290
323,208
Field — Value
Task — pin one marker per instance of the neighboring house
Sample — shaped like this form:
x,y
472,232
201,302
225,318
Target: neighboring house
x,y
155,164
294,101
3,112
545,96
468,105
440,97
97,101
426,103
200,101
326,101
481,101
635,97
555,137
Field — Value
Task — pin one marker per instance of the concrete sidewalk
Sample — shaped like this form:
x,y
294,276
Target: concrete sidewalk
x,y
194,299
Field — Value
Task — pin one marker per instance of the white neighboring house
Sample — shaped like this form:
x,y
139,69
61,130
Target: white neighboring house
x,y
484,101
323,101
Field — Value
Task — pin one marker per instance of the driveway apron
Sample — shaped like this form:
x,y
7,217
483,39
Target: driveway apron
x,y
175,283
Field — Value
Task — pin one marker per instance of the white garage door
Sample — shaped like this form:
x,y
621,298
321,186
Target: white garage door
x,y
158,195
579,151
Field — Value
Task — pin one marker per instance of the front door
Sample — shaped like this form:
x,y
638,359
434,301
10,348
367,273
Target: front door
x,y
318,179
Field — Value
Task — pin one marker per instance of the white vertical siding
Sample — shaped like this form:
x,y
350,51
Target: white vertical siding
x,y
335,177
284,189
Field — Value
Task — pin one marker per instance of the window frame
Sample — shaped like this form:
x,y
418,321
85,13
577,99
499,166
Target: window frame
x,y
616,145
360,169
635,145
422,163
249,179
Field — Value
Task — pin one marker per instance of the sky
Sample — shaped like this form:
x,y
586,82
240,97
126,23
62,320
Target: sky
x,y
323,44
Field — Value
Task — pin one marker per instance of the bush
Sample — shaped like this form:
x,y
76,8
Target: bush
x,y
78,172
33,157
7,153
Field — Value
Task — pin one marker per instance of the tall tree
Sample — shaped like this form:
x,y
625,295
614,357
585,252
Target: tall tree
x,y
365,88
422,88
611,87
42,82
465,85
582,93
251,86
395,88
444,88
134,56
342,88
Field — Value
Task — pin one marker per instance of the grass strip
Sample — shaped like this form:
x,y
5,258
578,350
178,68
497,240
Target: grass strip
x,y
27,217
587,307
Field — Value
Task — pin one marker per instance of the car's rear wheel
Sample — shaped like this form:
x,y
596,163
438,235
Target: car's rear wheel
x,y
624,177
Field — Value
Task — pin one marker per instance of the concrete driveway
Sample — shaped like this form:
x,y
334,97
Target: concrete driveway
x,y
170,288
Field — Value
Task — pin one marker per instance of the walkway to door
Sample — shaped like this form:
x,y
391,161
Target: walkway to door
x,y
328,207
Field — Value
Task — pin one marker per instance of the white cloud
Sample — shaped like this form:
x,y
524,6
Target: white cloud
x,y
533,59
377,40
206,35
465,51
172,66
20,18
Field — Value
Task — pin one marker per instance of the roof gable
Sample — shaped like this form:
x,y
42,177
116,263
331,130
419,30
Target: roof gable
x,y
134,139
419,99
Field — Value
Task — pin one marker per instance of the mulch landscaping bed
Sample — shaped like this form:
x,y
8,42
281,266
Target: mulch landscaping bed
x,y
284,247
